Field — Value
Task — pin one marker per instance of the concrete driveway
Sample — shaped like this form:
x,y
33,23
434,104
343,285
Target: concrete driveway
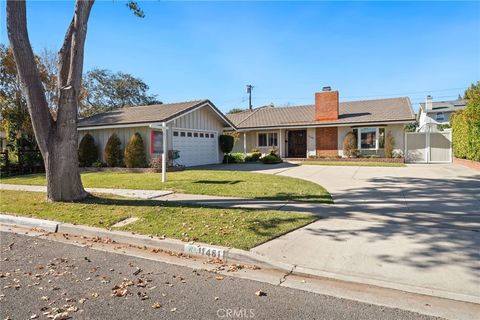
x,y
415,228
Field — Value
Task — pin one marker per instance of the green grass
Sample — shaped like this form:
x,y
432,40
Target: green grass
x,y
353,164
239,228
207,182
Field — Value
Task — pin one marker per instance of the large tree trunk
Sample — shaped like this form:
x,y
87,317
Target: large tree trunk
x,y
58,139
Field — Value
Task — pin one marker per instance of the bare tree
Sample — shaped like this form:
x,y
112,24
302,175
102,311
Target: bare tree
x,y
57,139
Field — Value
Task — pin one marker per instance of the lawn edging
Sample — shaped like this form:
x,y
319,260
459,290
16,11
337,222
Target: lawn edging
x,y
475,165
166,244
382,160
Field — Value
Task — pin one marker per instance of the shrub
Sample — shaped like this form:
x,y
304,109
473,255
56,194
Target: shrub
x,y
156,162
226,143
112,151
270,159
350,145
273,151
442,127
87,151
389,145
253,157
397,154
135,156
98,164
466,132
234,158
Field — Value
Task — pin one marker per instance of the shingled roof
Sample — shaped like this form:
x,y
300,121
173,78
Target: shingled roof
x,y
142,114
352,112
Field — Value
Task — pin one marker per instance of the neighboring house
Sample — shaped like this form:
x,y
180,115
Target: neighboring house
x,y
319,129
432,113
192,128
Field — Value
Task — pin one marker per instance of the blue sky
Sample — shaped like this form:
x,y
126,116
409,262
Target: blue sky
x,y
287,50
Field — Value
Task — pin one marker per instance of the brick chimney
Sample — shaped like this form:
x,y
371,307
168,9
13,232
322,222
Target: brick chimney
x,y
326,105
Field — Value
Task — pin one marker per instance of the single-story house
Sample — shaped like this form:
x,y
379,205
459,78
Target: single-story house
x,y
192,128
319,129
432,113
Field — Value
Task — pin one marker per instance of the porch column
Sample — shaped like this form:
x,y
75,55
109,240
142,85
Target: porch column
x,y
244,143
280,142
164,154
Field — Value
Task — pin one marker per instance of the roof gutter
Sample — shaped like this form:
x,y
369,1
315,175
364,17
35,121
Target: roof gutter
x,y
115,126
356,124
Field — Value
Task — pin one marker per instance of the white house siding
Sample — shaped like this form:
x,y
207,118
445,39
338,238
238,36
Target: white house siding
x,y
124,134
397,131
311,142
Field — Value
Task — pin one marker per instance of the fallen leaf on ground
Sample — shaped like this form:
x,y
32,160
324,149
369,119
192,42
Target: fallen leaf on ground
x,y
219,277
156,305
61,316
260,293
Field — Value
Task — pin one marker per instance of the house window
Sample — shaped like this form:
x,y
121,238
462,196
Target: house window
x,y
368,138
189,134
201,135
440,116
182,134
175,133
156,142
269,139
381,138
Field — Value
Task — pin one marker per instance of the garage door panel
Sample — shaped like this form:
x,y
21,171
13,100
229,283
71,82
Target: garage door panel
x,y
197,150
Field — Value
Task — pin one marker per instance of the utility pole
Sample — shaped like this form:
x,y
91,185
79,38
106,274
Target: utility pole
x,y
249,92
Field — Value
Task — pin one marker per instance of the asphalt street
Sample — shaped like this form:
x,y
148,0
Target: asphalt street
x,y
41,279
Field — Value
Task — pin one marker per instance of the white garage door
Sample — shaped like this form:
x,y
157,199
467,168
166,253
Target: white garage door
x,y
196,148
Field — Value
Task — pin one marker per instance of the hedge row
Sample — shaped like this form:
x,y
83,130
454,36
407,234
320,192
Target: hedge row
x,y
133,157
466,132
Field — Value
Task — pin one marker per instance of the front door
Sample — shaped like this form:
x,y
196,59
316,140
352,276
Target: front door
x,y
297,144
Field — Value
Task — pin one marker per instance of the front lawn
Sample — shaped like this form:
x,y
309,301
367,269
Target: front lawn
x,y
353,163
239,228
207,182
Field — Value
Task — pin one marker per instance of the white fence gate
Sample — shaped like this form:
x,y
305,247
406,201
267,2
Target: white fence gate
x,y
428,147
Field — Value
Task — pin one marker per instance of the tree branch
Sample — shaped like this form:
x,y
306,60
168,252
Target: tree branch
x,y
71,64
64,57
32,87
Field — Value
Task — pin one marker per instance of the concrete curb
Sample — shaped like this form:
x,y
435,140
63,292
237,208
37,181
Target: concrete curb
x,y
47,225
230,254
308,272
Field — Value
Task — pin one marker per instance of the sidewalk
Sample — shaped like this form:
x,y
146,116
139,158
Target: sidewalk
x,y
205,200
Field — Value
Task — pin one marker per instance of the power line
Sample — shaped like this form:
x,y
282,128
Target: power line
x,y
369,96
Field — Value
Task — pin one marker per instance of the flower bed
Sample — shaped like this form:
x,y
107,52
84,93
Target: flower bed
x,y
388,160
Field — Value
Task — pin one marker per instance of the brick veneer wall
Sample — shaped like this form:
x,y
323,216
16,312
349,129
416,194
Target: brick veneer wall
x,y
389,160
326,141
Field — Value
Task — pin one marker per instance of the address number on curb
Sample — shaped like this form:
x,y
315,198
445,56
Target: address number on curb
x,y
205,251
